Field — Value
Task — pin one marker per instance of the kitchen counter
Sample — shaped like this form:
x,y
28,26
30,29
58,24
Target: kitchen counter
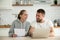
x,y
29,38
4,35
5,31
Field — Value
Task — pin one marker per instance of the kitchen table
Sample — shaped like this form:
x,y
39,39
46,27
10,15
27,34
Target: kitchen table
x,y
29,38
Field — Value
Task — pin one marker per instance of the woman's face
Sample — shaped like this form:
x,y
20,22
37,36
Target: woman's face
x,y
24,15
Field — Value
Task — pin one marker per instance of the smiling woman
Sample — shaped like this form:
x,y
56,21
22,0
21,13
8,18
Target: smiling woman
x,y
20,23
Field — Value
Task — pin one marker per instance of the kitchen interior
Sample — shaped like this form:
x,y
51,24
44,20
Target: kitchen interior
x,y
9,10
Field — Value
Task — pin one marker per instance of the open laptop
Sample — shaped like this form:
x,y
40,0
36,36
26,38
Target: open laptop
x,y
41,33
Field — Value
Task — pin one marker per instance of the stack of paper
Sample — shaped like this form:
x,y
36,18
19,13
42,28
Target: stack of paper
x,y
19,32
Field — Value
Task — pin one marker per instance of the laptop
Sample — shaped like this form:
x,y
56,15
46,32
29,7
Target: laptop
x,y
41,33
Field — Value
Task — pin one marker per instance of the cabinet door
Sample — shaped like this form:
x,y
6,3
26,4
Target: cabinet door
x,y
4,31
57,31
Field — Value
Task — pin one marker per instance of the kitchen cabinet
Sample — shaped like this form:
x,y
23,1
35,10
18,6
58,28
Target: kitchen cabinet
x,y
5,4
57,31
4,31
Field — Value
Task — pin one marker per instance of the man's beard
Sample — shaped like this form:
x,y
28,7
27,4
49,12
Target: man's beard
x,y
39,20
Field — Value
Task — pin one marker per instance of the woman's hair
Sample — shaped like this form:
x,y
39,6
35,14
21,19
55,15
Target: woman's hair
x,y
21,13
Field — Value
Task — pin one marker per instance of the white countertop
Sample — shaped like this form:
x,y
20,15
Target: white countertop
x,y
28,38
4,32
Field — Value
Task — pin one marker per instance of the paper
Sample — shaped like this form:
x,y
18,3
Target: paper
x,y
19,32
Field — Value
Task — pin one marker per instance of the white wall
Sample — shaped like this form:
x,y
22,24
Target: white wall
x,y
52,12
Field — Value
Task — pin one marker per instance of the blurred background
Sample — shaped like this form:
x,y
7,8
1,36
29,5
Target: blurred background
x,y
9,9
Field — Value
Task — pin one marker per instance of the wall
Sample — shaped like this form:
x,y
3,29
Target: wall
x,y
52,12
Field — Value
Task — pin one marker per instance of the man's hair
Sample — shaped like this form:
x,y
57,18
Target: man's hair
x,y
42,11
21,13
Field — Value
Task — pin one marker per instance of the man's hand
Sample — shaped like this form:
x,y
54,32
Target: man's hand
x,y
31,30
14,35
51,35
52,32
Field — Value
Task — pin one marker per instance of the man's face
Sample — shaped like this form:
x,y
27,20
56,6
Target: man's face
x,y
24,15
39,17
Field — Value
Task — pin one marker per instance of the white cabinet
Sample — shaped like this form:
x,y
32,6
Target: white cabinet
x,y
57,31
4,31
5,4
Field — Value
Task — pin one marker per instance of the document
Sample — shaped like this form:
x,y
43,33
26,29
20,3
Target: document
x,y
19,32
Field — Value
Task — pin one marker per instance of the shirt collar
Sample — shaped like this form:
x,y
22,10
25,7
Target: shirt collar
x,y
19,21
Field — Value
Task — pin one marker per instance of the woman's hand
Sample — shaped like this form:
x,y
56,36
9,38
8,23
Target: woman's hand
x,y
14,35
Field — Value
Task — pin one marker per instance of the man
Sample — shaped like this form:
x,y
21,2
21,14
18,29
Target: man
x,y
20,23
41,22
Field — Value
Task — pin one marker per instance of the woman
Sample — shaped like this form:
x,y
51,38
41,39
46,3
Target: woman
x,y
20,22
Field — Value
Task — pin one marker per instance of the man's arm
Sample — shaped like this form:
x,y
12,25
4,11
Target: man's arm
x,y
51,31
31,30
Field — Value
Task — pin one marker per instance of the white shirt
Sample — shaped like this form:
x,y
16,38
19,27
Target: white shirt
x,y
45,24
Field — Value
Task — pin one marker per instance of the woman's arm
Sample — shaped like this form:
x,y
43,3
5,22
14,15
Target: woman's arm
x,y
11,31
